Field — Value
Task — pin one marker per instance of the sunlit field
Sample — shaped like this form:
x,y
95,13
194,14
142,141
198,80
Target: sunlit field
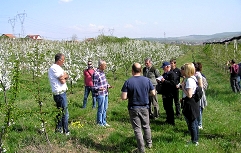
x,y
28,111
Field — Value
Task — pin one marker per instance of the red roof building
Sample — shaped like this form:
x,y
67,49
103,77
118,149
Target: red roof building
x,y
11,36
35,37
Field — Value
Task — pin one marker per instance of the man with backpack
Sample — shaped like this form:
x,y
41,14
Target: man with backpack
x,y
88,80
233,69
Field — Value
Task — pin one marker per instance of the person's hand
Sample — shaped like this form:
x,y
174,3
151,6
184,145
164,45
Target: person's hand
x,y
109,86
162,80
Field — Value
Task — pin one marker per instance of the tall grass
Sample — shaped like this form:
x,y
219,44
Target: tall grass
x,y
221,119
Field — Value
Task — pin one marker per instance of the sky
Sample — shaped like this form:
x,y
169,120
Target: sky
x,y
81,19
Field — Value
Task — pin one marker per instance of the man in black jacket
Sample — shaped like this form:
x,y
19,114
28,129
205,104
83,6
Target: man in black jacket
x,y
177,72
168,83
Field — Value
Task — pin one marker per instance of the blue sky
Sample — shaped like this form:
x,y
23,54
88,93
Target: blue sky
x,y
61,19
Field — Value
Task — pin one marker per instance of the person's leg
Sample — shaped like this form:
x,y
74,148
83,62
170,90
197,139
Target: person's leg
x,y
236,84
232,82
136,125
177,103
169,110
62,103
100,100
93,98
59,124
239,82
86,94
193,127
154,100
145,121
151,111
105,110
65,118
199,119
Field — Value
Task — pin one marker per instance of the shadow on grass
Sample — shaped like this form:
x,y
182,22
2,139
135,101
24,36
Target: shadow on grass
x,y
125,145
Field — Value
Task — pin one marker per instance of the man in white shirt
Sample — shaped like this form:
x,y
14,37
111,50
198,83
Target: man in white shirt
x,y
57,78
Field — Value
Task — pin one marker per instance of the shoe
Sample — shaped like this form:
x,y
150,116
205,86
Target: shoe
x,y
107,125
200,127
191,143
67,133
149,146
57,130
100,125
196,143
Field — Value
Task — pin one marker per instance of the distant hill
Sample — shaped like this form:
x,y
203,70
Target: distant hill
x,y
195,39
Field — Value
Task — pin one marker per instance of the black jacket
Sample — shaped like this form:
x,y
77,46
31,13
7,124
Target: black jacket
x,y
169,84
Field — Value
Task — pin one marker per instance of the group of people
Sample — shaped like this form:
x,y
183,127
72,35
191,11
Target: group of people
x,y
140,91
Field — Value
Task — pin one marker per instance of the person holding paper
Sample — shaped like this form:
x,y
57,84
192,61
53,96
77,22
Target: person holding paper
x,y
152,73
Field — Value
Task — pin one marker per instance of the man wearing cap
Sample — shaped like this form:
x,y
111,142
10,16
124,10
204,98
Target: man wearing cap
x,y
168,83
152,73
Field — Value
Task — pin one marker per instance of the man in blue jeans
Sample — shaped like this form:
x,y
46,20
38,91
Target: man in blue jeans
x,y
88,80
57,78
100,88
137,90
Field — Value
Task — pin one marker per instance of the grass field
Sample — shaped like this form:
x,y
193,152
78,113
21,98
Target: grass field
x,y
221,120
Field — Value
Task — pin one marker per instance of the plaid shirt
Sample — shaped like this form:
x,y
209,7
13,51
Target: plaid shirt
x,y
100,81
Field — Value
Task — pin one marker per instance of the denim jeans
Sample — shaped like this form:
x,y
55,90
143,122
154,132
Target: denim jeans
x,y
199,119
86,94
102,108
62,118
139,118
234,84
193,129
239,82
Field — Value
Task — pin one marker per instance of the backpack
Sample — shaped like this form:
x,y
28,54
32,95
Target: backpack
x,y
198,93
205,82
235,68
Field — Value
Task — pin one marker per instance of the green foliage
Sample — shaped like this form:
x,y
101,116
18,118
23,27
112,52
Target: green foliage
x,y
221,119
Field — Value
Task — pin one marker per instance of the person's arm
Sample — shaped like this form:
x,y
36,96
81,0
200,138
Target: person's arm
x,y
63,78
124,95
152,92
188,91
227,65
200,82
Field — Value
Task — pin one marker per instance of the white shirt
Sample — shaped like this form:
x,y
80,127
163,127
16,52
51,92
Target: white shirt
x,y
191,83
55,71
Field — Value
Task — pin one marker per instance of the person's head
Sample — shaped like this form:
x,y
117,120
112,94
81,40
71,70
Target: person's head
x,y
198,66
136,68
189,70
182,71
232,62
173,63
148,62
102,65
59,59
166,66
89,63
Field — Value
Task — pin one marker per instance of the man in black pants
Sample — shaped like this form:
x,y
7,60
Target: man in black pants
x,y
168,83
177,81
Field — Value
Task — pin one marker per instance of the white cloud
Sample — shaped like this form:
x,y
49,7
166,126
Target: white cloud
x,y
139,22
65,1
129,26
155,23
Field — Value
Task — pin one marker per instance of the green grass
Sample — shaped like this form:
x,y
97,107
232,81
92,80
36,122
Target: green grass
x,y
221,120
